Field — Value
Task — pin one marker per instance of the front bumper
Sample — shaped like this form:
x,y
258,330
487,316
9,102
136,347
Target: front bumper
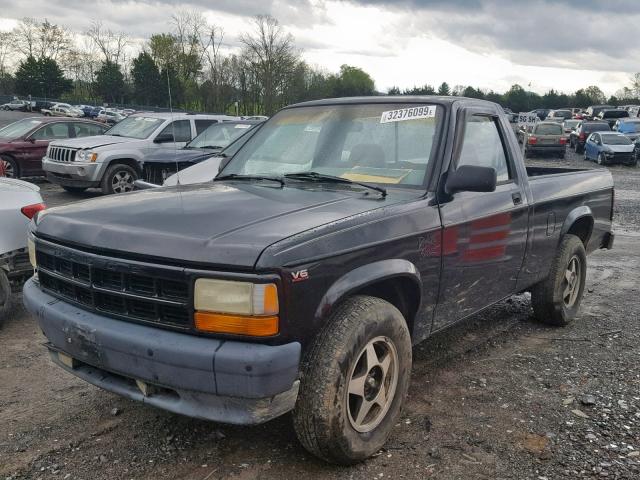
x,y
72,174
224,381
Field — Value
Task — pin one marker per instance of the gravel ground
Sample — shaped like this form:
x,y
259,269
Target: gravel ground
x,y
495,397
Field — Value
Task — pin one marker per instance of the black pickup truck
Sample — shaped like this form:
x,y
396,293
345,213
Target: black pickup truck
x,y
340,234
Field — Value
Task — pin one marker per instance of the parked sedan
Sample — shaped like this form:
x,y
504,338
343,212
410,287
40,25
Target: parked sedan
x,y
545,137
24,143
610,147
110,118
578,137
19,105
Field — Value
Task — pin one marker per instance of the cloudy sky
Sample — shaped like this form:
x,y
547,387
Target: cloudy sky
x,y
561,44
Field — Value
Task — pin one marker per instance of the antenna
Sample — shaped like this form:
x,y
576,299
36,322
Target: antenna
x,y
173,129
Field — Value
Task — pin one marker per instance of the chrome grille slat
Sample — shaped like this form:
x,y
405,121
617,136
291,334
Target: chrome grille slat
x,y
62,154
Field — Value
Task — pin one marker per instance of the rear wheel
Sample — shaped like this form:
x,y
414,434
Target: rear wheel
x,y
355,379
10,167
119,178
556,299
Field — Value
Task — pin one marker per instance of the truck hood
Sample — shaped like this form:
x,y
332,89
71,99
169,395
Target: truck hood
x,y
93,142
225,224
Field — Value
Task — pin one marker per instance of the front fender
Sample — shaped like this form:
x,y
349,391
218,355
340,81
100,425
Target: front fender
x,y
364,276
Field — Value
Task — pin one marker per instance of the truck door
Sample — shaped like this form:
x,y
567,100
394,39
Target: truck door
x,y
484,233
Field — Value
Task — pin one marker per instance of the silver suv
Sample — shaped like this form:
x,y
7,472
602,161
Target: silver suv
x,y
112,161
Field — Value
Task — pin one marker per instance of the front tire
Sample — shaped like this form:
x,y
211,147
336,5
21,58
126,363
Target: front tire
x,y
557,298
600,159
355,379
118,178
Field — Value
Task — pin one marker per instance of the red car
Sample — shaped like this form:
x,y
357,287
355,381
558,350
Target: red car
x,y
24,143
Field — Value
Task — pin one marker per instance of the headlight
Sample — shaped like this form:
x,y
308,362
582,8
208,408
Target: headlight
x,y
239,308
31,246
86,156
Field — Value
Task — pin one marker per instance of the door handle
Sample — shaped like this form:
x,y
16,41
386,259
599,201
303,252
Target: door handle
x,y
517,198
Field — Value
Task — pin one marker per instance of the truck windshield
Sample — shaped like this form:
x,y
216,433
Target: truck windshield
x,y
19,128
375,143
615,139
219,135
135,127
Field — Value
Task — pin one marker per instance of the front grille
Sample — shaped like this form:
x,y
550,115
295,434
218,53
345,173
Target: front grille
x,y
622,157
62,154
116,288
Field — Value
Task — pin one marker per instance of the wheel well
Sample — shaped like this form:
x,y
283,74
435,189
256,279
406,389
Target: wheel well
x,y
401,292
582,229
126,161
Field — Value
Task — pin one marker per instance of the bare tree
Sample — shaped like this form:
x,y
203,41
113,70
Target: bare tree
x,y
110,44
271,55
41,39
190,31
6,47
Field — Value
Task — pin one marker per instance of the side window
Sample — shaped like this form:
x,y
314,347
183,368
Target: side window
x,y
53,131
202,125
483,147
87,129
181,129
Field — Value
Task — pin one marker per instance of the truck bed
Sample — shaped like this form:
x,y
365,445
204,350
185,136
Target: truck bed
x,y
541,171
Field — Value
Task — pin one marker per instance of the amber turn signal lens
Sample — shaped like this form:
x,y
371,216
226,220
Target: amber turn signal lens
x,y
236,324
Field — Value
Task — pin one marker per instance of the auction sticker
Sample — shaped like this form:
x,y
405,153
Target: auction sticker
x,y
412,113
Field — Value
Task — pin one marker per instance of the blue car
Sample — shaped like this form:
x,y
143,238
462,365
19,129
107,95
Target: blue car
x,y
610,147
628,126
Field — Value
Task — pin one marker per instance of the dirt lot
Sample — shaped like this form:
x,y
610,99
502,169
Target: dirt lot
x,y
496,397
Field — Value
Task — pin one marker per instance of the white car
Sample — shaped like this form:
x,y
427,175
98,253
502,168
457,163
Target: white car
x,y
19,202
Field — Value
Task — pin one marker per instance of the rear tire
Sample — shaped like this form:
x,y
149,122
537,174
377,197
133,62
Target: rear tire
x,y
355,379
118,178
556,299
579,149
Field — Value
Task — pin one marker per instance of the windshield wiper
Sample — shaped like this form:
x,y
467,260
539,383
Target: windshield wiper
x,y
236,176
216,147
321,177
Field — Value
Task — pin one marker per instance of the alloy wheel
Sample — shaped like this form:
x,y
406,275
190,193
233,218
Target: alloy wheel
x,y
9,172
572,280
122,181
372,384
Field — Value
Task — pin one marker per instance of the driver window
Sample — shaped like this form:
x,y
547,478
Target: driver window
x,y
483,147
181,129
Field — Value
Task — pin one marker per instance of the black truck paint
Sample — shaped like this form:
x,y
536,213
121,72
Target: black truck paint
x,y
437,257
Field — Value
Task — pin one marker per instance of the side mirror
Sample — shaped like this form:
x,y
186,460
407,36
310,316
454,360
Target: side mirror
x,y
223,163
163,138
471,178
